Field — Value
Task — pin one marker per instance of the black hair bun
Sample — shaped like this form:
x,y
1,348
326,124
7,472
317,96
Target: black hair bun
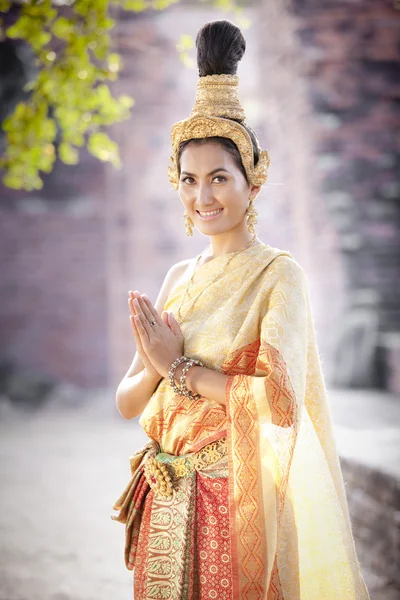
x,y
220,46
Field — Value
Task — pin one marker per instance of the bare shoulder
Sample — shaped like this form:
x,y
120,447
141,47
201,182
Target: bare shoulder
x,y
175,274
179,269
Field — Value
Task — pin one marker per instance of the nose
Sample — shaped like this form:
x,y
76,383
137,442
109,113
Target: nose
x,y
204,195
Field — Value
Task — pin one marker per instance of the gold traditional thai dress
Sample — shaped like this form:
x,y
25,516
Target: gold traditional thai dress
x,y
257,507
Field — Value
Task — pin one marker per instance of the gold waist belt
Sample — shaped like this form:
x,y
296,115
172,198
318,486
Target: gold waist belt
x,y
161,471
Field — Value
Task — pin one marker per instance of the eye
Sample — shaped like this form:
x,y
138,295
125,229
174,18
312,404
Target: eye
x,y
221,177
185,180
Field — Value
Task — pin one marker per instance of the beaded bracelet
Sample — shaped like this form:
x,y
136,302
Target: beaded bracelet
x,y
190,363
171,375
171,372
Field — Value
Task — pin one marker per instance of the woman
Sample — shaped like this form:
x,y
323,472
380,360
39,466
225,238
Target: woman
x,y
238,493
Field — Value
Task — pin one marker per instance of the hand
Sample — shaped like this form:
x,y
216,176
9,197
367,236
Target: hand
x,y
159,344
151,371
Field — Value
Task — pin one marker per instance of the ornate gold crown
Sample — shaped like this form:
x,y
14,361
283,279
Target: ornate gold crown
x,y
217,103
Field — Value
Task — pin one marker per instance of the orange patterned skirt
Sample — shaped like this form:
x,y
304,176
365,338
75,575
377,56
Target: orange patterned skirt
x,y
179,540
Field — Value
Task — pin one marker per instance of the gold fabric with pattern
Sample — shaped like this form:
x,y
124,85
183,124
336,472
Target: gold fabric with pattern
x,y
290,527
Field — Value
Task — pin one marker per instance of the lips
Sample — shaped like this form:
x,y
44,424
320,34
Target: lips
x,y
210,217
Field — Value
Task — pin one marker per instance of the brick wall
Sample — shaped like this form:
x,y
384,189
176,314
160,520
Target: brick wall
x,y
320,86
53,316
350,58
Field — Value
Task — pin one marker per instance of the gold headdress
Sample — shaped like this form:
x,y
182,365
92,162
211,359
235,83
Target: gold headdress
x,y
217,103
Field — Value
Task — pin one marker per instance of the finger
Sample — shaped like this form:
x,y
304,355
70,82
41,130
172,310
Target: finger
x,y
143,325
173,323
131,307
135,322
154,312
136,334
133,325
145,316
137,307
139,346
148,314
131,298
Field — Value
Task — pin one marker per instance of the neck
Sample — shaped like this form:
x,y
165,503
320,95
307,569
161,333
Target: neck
x,y
225,243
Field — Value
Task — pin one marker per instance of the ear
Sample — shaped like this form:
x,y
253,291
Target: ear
x,y
254,190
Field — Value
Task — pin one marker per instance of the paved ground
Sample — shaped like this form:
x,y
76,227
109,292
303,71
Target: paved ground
x,y
367,427
60,472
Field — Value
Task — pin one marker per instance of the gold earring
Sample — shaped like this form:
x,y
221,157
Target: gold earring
x,y
251,217
188,223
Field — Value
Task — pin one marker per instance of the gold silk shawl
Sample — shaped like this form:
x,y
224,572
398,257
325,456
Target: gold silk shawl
x,y
291,536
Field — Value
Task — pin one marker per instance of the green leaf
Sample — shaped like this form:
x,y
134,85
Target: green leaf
x,y
68,94
5,6
242,21
187,60
126,101
47,159
108,23
42,39
114,62
42,10
225,5
162,4
135,5
62,28
19,29
186,42
49,129
103,148
82,8
68,154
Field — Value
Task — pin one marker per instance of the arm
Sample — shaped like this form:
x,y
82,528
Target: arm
x,y
134,392
207,382
138,384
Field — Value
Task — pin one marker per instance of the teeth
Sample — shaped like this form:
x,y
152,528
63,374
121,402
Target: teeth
x,y
213,212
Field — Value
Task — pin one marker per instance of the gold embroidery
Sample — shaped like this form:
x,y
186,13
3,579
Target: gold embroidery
x,y
202,126
218,96
217,104
160,475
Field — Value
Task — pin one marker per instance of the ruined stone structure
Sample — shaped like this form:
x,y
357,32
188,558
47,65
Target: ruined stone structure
x,y
320,83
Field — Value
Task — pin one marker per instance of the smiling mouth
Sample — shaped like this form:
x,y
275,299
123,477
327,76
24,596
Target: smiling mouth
x,y
209,215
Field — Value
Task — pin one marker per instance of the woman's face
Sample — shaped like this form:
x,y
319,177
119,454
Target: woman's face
x,y
210,180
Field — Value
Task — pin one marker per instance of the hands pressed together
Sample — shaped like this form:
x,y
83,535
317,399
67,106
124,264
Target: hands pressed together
x,y
158,345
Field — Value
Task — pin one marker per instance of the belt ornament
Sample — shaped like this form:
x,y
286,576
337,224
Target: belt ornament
x,y
150,467
162,470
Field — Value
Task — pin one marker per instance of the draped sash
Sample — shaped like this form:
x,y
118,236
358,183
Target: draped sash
x,y
290,531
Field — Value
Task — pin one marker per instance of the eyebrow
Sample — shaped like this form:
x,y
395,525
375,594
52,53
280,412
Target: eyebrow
x,y
211,172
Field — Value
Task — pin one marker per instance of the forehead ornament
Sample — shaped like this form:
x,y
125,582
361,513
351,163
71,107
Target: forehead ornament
x,y
217,103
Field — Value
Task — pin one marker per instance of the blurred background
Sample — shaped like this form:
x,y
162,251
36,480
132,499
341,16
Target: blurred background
x,y
320,84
